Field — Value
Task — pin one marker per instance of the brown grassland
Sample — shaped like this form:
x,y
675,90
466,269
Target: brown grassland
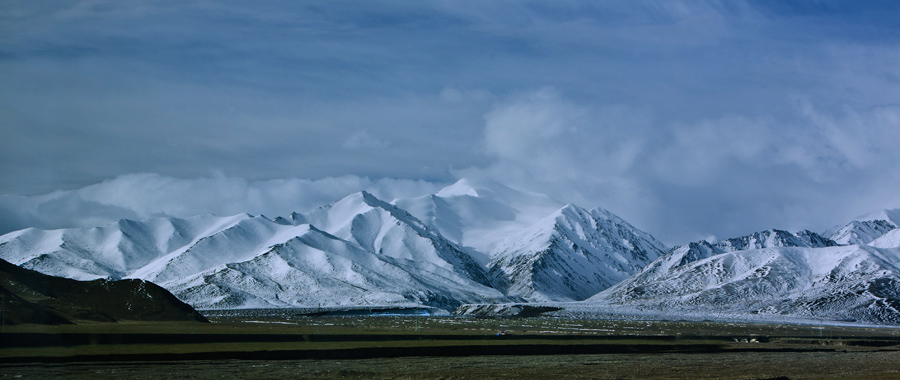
x,y
412,347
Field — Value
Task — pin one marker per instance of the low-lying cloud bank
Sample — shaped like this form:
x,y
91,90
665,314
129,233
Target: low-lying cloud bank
x,y
140,196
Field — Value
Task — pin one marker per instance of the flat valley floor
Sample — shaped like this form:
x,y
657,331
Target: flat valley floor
x,y
447,348
762,365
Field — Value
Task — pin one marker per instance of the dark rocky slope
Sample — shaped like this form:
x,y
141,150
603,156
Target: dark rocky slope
x,y
31,297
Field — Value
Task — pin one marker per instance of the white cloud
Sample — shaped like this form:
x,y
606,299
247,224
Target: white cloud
x,y
859,139
686,178
557,139
577,153
679,180
140,196
674,114
520,125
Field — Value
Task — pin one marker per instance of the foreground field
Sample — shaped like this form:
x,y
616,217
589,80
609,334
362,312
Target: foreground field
x,y
279,347
773,365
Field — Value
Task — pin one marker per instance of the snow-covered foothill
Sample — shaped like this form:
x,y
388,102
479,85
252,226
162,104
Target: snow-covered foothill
x,y
850,283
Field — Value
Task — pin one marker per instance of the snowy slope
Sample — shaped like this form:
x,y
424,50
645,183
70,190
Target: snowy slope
x,y
113,251
478,242
479,214
572,254
862,232
395,234
240,261
867,228
857,283
687,253
319,269
888,240
234,261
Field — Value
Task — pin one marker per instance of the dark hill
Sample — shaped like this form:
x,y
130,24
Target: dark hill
x,y
31,297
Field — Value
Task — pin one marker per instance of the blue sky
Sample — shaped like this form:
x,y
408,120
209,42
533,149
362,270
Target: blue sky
x,y
691,119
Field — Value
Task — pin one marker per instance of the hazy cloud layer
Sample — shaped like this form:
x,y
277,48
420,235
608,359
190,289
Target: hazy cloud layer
x,y
690,118
141,196
731,174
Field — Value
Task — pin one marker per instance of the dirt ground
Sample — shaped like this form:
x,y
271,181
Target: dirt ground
x,y
754,365
436,348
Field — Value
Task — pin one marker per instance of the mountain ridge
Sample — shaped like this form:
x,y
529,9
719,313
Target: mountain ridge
x,y
866,228
780,275
573,254
359,230
476,242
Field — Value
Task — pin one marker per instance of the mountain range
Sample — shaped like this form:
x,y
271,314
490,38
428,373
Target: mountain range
x,y
773,273
359,250
479,242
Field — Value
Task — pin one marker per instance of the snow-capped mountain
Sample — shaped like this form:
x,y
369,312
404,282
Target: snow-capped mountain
x,y
572,254
764,239
393,233
360,250
478,215
114,251
479,242
315,268
867,228
774,238
366,252
773,272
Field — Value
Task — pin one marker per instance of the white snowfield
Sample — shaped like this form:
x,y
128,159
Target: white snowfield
x,y
479,242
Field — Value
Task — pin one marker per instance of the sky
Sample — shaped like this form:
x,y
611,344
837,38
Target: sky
x,y
691,119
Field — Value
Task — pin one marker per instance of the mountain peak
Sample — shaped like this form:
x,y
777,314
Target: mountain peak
x,y
359,201
866,228
480,187
844,283
463,186
771,238
569,208
487,188
572,254
890,215
374,201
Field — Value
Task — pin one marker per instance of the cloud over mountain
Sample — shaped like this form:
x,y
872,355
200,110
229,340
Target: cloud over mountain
x,y
140,196
665,112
